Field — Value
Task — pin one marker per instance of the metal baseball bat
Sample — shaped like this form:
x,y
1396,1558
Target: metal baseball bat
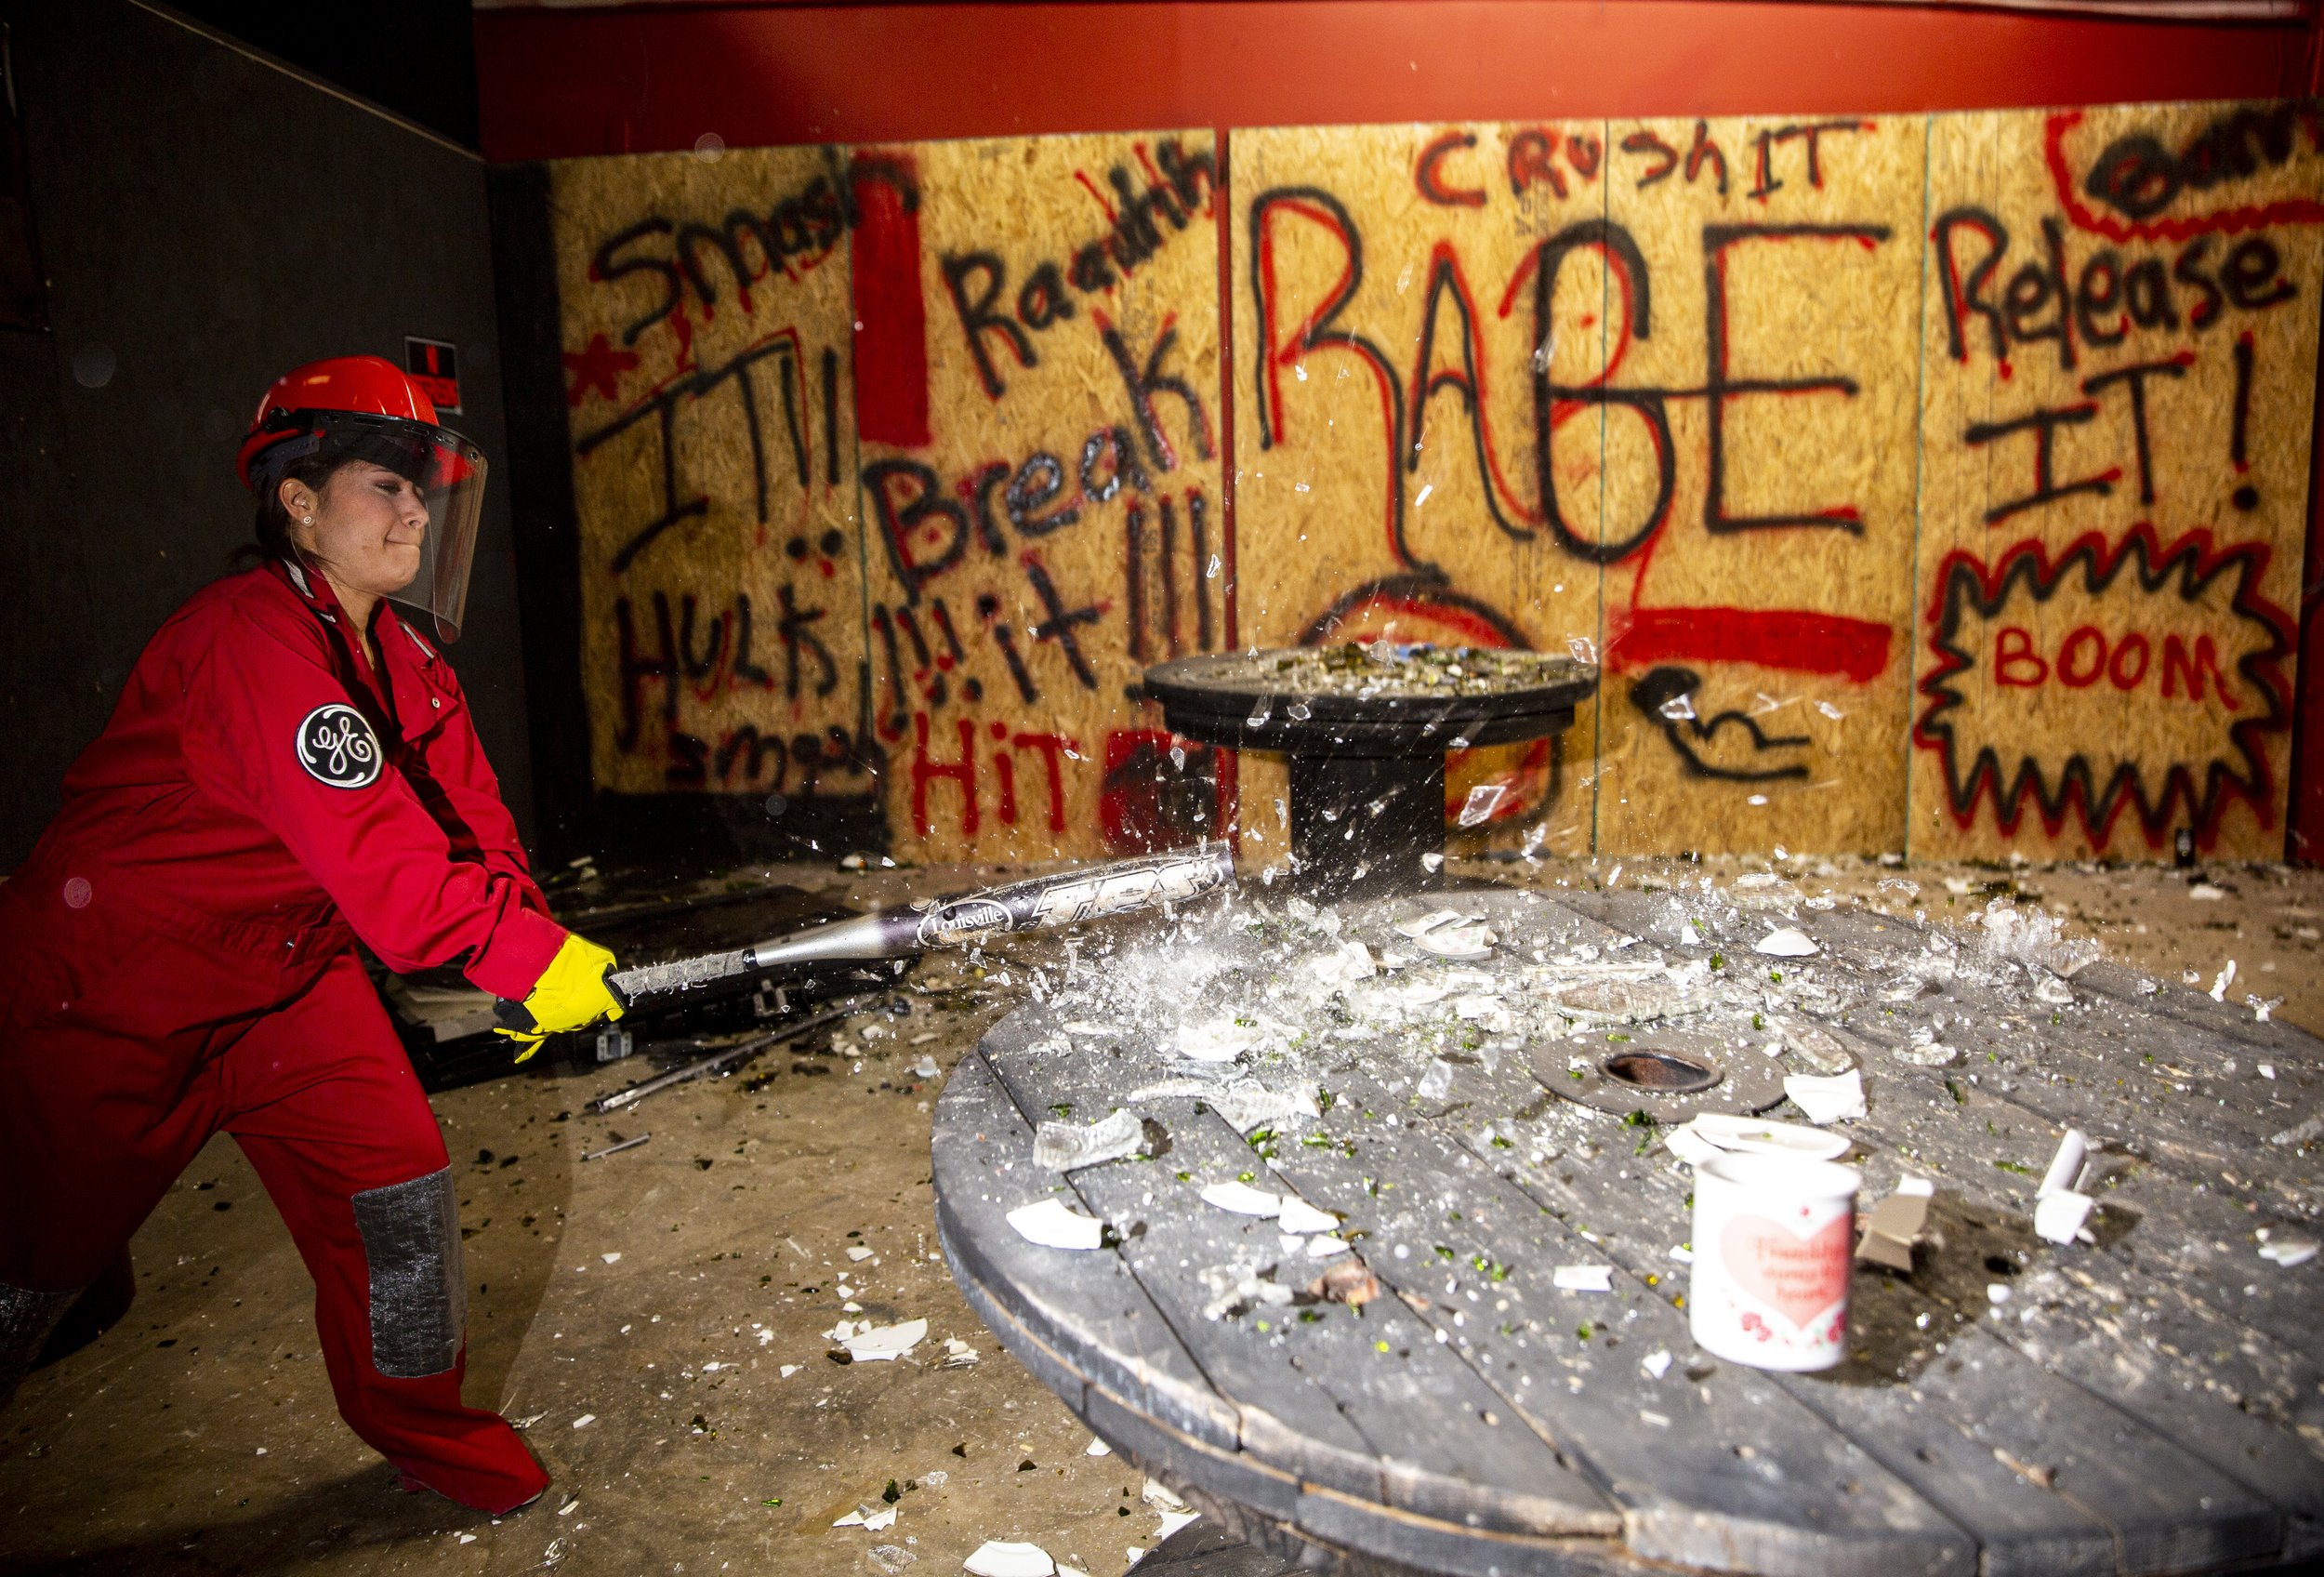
x,y
1044,903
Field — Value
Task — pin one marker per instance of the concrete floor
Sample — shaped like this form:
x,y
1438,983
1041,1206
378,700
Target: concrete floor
x,y
635,1312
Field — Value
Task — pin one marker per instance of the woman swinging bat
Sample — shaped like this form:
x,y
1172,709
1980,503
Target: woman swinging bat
x,y
290,768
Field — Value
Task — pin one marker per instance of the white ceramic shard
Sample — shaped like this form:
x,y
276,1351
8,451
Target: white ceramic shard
x,y
879,1344
1049,1224
998,1558
1243,1200
2059,1214
1583,1277
2066,1166
1298,1215
1786,942
1827,1100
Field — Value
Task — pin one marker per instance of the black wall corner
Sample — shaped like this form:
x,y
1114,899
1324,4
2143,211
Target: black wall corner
x,y
545,528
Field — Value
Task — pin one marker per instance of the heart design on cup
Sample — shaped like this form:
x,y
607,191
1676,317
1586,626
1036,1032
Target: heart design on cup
x,y
1799,1278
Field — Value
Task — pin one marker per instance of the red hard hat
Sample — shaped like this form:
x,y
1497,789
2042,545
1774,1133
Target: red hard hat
x,y
363,385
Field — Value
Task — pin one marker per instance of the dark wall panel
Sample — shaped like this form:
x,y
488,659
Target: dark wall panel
x,y
207,220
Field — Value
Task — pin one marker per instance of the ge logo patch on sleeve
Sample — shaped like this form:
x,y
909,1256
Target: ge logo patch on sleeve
x,y
337,747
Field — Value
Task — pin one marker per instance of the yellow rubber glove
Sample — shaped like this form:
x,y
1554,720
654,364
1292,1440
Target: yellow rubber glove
x,y
571,994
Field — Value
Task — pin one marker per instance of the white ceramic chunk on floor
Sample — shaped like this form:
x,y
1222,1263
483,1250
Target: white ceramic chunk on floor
x,y
1049,1224
999,1558
879,1344
1243,1200
1298,1215
1786,942
1583,1277
2059,1214
2066,1166
1097,1447
1827,1100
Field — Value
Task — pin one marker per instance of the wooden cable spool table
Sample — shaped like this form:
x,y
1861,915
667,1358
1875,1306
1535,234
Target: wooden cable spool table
x,y
2147,1401
1365,729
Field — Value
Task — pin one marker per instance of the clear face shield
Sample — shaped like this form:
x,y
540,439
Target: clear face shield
x,y
449,472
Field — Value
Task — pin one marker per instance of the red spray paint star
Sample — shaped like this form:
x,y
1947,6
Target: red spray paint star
x,y
597,367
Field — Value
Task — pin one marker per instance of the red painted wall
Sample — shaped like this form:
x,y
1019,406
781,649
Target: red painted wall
x,y
555,83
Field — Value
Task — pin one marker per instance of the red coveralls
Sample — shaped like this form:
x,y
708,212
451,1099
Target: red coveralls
x,y
181,959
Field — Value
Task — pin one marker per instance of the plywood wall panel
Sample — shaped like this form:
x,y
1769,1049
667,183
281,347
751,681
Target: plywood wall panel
x,y
1929,482
1059,522
2120,337
705,311
1757,682
1394,343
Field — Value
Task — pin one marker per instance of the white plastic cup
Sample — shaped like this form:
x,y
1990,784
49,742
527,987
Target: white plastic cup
x,y
1774,1237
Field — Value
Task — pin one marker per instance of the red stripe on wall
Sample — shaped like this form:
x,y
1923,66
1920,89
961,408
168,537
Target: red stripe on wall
x,y
891,324
1799,642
